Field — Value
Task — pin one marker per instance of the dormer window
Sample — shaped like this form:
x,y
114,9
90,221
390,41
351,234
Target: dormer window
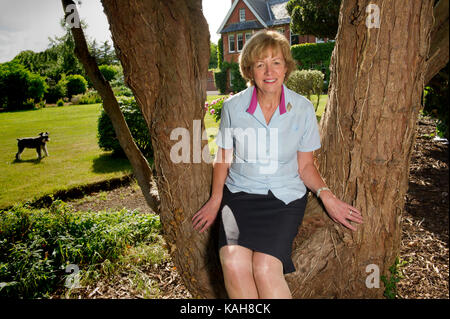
x,y
242,15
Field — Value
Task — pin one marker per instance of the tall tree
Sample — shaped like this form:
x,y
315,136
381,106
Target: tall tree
x,y
367,136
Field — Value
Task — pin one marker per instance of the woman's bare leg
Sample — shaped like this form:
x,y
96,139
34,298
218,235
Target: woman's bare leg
x,y
269,277
238,271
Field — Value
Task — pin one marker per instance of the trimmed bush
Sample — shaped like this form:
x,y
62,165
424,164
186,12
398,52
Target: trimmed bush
x,y
76,84
306,82
107,139
315,56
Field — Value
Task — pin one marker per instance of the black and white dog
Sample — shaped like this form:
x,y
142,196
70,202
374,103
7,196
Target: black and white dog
x,y
39,143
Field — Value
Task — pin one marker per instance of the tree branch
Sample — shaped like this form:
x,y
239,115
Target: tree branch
x,y
141,168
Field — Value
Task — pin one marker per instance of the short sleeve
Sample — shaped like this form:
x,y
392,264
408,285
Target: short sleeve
x,y
310,141
224,137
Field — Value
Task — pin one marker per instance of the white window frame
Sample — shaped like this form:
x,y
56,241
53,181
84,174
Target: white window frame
x,y
231,78
237,41
249,34
242,15
280,30
320,40
231,36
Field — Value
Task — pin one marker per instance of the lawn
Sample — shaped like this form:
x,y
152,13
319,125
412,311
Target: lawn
x,y
75,158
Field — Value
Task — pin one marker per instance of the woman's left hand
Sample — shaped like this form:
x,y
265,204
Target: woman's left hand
x,y
339,211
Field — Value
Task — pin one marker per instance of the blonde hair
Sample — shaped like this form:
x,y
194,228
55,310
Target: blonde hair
x,y
257,46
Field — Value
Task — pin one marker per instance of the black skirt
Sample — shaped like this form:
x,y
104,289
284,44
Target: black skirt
x,y
262,223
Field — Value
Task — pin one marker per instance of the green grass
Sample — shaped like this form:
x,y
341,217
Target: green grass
x,y
75,158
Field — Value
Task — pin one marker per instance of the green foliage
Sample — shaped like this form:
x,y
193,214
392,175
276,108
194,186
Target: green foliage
x,y
213,56
315,56
104,54
60,102
215,107
390,284
109,72
220,78
37,245
19,87
436,101
306,82
56,90
316,17
76,84
219,53
107,139
90,97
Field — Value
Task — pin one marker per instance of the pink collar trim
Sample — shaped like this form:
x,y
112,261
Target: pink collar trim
x,y
254,102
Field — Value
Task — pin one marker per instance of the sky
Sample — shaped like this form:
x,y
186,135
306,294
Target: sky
x,y
27,24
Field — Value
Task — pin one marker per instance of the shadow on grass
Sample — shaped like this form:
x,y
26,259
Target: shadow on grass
x,y
34,161
109,163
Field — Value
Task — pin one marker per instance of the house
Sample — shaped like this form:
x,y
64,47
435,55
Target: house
x,y
246,17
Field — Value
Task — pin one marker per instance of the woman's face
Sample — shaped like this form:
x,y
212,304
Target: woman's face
x,y
269,71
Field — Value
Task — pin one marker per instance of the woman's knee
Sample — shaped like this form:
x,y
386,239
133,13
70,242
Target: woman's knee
x,y
266,267
236,260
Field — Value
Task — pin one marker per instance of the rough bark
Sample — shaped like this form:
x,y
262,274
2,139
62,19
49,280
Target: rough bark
x,y
367,130
367,136
164,50
439,47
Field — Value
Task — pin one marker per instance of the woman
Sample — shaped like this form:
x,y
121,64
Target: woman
x,y
271,132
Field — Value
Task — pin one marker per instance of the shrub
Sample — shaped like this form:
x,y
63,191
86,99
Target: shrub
x,y
122,90
109,72
215,107
37,245
107,139
436,101
221,78
19,87
306,82
219,53
55,90
60,102
75,84
315,56
91,97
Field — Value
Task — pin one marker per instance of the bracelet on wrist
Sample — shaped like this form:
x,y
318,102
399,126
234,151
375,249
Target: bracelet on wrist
x,y
322,189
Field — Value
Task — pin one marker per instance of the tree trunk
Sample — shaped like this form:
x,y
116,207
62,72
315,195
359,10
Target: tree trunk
x,y
439,47
368,132
367,136
164,50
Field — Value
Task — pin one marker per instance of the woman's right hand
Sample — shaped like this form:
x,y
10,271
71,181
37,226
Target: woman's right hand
x,y
206,215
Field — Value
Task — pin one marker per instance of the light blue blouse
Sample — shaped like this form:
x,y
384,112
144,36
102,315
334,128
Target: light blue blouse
x,y
265,155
